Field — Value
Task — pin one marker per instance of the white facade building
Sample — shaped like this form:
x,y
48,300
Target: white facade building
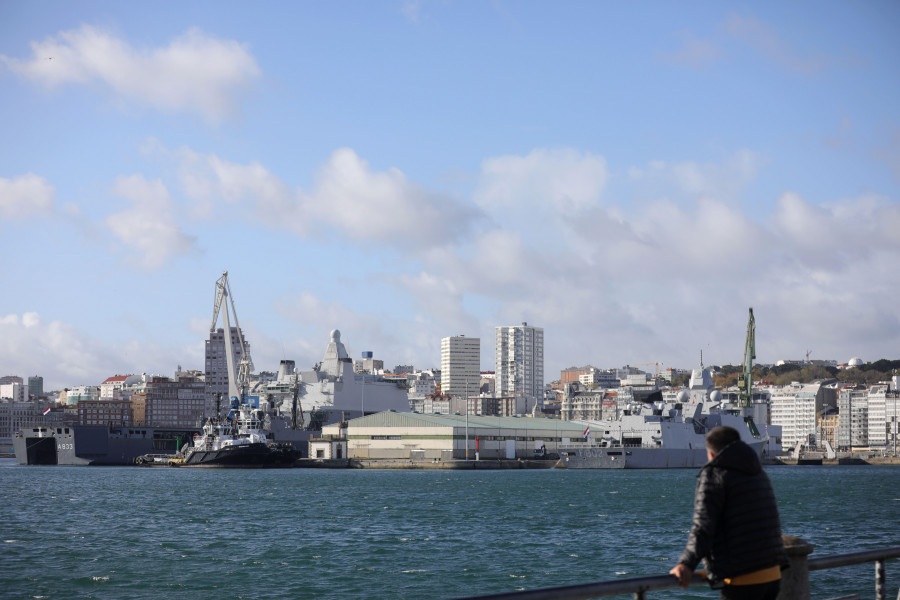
x,y
460,367
853,418
519,360
82,392
15,392
877,418
111,388
794,409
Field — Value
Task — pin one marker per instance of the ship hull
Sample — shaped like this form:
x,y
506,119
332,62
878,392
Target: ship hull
x,y
242,456
84,445
638,458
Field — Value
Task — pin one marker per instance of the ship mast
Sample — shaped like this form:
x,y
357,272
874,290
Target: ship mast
x,y
745,382
238,380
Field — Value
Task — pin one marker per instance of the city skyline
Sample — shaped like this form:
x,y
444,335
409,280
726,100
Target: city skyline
x,y
631,179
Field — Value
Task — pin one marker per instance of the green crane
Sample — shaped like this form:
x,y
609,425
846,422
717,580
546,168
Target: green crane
x,y
745,381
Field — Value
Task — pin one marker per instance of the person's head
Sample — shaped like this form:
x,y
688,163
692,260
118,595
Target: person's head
x,y
719,437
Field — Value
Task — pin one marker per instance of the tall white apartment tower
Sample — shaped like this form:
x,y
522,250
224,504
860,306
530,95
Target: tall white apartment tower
x,y
519,365
217,366
460,368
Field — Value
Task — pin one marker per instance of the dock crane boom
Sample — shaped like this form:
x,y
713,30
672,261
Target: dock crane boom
x,y
238,381
745,382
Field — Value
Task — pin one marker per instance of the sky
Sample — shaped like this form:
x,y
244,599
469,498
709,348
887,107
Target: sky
x,y
631,177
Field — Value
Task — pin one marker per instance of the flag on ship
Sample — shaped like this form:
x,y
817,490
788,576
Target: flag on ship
x,y
46,411
587,430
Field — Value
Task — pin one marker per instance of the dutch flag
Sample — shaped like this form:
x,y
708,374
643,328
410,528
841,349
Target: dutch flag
x,y
46,411
587,431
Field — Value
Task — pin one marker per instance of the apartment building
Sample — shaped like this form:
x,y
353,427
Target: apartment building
x,y
217,363
460,369
519,360
105,412
796,408
171,403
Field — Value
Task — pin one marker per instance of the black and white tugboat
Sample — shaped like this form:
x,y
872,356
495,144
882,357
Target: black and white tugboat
x,y
241,438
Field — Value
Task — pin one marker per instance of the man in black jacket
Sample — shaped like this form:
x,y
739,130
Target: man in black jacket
x,y
735,529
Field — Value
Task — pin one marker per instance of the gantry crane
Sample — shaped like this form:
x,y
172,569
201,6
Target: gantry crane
x,y
745,381
238,381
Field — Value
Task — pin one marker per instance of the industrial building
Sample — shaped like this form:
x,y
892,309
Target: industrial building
x,y
395,435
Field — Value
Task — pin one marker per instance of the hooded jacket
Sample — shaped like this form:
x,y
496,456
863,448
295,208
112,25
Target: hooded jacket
x,y
735,527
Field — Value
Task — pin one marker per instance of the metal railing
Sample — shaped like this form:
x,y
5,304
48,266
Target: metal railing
x,y
639,586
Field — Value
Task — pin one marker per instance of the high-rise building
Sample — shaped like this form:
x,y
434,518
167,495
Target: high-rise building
x,y
36,386
460,368
171,403
519,356
217,365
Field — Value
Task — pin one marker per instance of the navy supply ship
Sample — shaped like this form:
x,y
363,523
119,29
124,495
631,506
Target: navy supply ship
x,y
660,435
77,445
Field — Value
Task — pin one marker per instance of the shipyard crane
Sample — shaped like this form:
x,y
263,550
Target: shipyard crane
x,y
651,364
238,381
745,381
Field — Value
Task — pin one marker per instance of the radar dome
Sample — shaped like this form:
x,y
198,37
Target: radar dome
x,y
855,362
682,396
716,396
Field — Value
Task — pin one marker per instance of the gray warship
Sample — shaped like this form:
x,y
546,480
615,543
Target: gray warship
x,y
661,435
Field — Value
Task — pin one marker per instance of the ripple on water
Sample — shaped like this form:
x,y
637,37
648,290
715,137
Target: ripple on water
x,y
150,533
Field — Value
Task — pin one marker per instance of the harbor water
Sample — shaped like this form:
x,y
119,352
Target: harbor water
x,y
141,533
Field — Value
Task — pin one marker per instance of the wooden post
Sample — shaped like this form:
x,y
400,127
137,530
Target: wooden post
x,y
795,580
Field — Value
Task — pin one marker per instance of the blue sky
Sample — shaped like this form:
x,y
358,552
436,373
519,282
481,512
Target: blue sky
x,y
630,177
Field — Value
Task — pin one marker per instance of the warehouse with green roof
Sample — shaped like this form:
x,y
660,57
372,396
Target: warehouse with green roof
x,y
415,436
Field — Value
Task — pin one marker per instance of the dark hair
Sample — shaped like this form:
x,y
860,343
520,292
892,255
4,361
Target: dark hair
x,y
721,436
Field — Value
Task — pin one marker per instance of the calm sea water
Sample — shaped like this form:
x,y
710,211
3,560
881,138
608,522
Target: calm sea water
x,y
132,533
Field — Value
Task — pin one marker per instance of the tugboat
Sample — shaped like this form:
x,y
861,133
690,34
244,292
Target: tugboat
x,y
237,441
240,439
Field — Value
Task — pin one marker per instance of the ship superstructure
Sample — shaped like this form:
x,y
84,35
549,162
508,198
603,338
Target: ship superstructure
x,y
661,435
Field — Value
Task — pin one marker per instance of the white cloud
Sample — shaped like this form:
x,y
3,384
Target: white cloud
x,y
148,227
383,206
693,180
411,9
348,197
694,52
66,356
196,72
765,39
25,196
563,179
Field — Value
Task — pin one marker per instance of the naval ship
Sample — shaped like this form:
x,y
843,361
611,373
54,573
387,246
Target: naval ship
x,y
77,445
661,435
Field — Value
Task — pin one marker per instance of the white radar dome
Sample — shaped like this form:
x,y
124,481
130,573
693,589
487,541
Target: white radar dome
x,y
716,396
855,362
